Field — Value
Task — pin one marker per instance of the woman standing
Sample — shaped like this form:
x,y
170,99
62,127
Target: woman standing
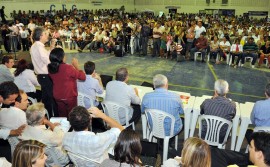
x,y
64,77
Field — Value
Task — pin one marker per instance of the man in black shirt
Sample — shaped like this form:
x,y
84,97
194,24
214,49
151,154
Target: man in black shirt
x,y
2,14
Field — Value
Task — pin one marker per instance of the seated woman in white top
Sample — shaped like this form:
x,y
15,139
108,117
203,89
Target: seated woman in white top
x,y
127,151
196,152
26,80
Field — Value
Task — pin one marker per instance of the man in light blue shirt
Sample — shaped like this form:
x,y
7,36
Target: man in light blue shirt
x,y
168,102
5,74
92,85
260,115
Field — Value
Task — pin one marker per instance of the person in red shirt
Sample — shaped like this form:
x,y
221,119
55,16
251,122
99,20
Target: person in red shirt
x,y
64,77
200,46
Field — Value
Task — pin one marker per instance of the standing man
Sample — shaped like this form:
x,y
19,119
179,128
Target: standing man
x,y
157,33
199,29
40,60
3,16
5,74
166,101
219,106
145,33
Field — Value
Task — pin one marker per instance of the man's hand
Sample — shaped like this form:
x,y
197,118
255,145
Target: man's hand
x,y
136,91
17,132
95,112
75,63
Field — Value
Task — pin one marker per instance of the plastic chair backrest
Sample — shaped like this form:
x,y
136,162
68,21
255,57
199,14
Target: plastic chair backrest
x,y
82,161
214,125
81,97
158,117
113,110
262,129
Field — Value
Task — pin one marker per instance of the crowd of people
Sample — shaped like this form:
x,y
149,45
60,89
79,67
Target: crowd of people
x,y
60,84
218,36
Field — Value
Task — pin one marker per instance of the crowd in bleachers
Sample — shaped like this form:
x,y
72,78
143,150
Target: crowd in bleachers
x,y
63,85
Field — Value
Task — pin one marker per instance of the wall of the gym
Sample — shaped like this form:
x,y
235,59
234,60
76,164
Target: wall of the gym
x,y
186,6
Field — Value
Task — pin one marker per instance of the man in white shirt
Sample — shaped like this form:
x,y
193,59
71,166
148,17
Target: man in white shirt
x,y
24,36
199,29
225,47
86,143
14,117
120,92
40,60
5,74
8,93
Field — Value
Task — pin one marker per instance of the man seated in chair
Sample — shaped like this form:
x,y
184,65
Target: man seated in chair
x,y
250,50
120,92
163,100
8,93
259,149
200,46
219,106
83,142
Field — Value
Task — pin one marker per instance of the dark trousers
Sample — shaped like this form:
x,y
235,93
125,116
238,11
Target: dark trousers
x,y
136,113
144,45
239,55
36,95
156,45
25,44
65,106
7,45
47,94
195,49
253,55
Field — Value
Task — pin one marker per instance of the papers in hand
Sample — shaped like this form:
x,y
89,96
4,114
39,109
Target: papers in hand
x,y
64,123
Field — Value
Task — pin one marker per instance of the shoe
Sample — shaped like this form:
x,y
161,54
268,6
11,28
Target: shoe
x,y
79,50
235,66
203,61
242,65
252,66
191,59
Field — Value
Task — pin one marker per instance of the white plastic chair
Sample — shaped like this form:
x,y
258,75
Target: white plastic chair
x,y
196,54
214,125
82,161
113,110
81,97
157,130
251,59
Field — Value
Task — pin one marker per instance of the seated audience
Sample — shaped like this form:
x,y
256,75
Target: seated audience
x,y
265,53
52,137
26,80
92,85
88,144
224,48
250,50
219,105
120,92
127,151
200,46
165,101
214,48
8,94
236,50
5,74
195,153
29,153
64,78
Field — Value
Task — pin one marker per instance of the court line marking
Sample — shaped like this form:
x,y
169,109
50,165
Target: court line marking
x,y
98,60
212,71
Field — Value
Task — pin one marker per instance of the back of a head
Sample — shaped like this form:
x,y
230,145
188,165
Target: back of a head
x,y
35,113
89,67
37,33
6,59
196,152
267,90
7,89
221,87
27,152
159,80
121,74
262,143
21,66
79,118
128,148
56,58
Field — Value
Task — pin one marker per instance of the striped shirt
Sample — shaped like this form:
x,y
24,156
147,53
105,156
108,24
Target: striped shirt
x,y
220,107
168,102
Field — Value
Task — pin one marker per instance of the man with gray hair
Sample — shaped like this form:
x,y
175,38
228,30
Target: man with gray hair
x,y
219,106
162,99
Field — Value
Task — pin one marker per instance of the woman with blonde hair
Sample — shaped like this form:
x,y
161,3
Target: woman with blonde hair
x,y
29,153
196,152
